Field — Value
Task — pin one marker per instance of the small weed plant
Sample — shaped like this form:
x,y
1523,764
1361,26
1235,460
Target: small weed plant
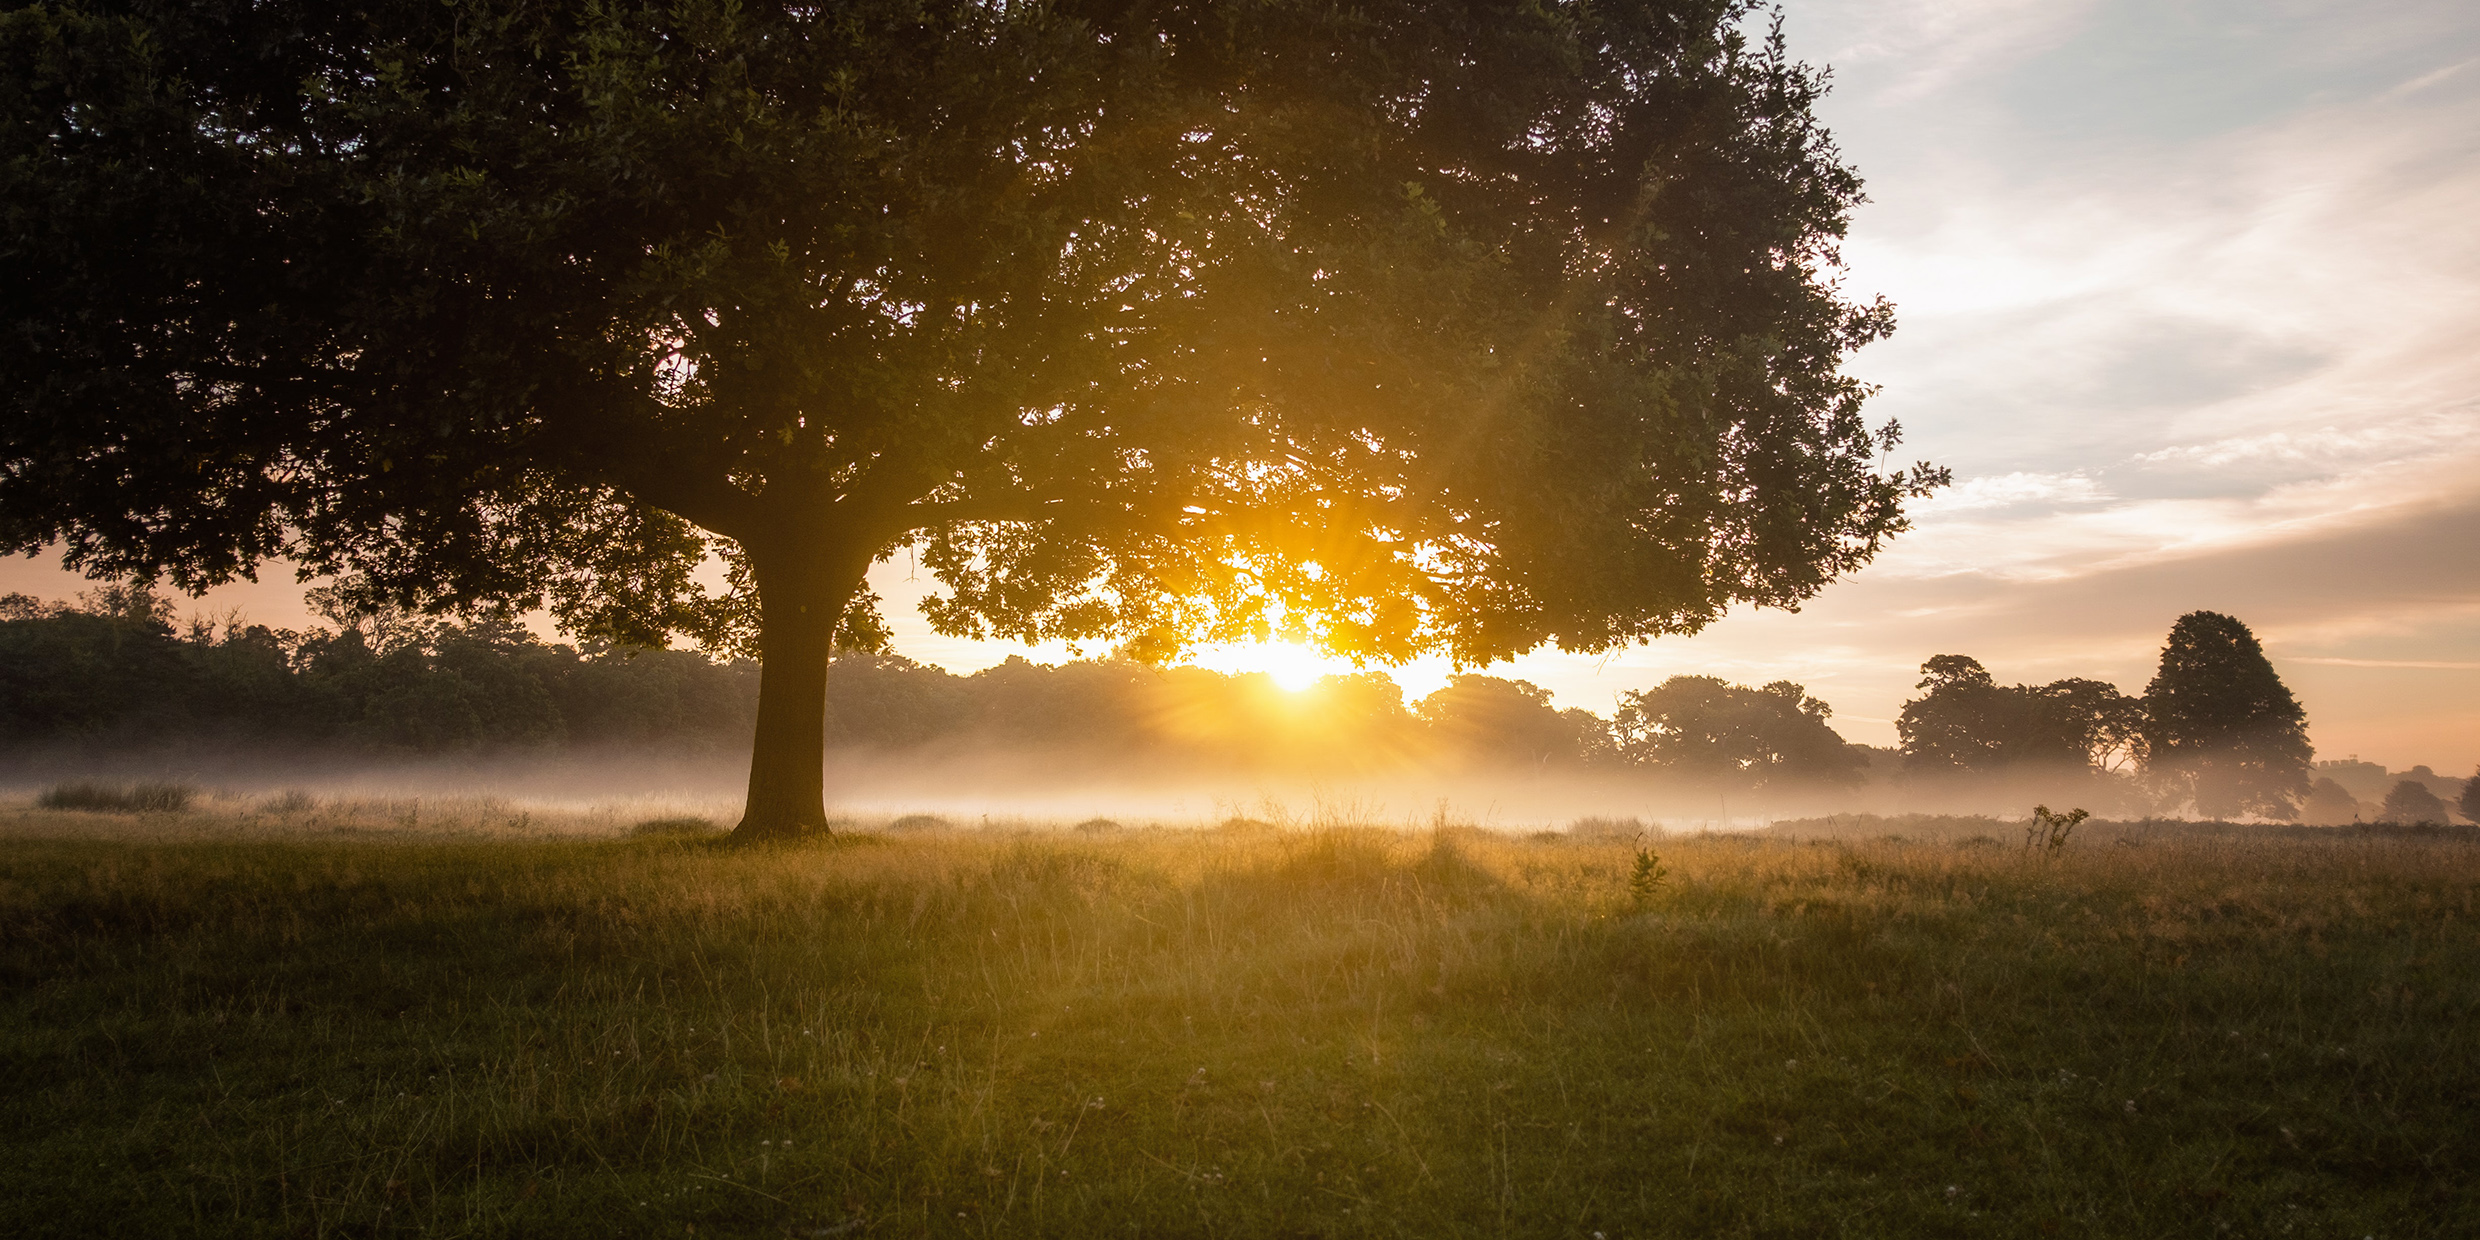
x,y
1646,879
2048,832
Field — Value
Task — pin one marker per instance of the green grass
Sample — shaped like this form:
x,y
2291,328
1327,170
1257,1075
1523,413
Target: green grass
x,y
1326,1033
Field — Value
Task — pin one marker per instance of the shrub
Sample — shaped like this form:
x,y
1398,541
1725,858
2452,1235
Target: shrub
x,y
115,799
1609,829
1098,826
920,822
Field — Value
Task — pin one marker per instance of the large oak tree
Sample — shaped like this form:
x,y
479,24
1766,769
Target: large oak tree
x,y
1401,326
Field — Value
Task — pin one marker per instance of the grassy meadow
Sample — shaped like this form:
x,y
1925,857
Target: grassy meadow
x,y
208,1028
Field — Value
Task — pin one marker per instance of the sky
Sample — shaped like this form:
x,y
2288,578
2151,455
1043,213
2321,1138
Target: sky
x,y
2189,300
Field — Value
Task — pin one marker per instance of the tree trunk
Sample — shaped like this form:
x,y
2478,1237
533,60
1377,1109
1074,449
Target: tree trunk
x,y
801,595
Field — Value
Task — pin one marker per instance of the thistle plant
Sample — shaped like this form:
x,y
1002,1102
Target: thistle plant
x,y
2048,832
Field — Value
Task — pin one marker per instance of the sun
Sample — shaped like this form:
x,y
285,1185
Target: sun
x,y
1292,666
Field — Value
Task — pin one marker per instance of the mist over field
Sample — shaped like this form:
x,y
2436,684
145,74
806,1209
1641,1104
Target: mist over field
x,y
1032,787
400,708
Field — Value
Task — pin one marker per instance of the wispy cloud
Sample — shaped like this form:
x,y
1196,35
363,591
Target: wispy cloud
x,y
2454,432
1918,47
2428,664
2432,78
2013,490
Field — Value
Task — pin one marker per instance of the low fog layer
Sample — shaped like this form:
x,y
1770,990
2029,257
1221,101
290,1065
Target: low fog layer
x,y
611,789
383,708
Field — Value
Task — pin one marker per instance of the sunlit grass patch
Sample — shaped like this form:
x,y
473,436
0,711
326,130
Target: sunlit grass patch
x,y
1330,1030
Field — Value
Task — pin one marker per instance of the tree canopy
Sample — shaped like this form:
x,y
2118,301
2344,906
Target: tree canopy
x,y
1707,727
1513,721
2328,804
1968,721
1398,327
2220,727
2411,801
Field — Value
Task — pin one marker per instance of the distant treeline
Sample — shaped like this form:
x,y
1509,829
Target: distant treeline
x,y
115,669
2216,730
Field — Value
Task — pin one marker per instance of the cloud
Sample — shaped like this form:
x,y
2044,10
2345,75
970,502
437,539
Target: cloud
x,y
1912,49
2051,540
2426,80
2012,490
2432,664
2455,432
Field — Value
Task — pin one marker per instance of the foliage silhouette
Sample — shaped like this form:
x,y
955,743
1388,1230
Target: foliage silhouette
x,y
1706,727
1512,722
2221,730
114,673
2328,804
1968,721
2411,801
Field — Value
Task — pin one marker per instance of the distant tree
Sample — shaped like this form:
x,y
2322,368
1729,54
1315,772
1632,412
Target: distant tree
x,y
2469,802
2091,722
1706,727
1960,722
887,700
2221,730
1595,745
2328,804
1492,720
1967,721
110,668
2445,786
2411,801
1399,326
619,694
1360,717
